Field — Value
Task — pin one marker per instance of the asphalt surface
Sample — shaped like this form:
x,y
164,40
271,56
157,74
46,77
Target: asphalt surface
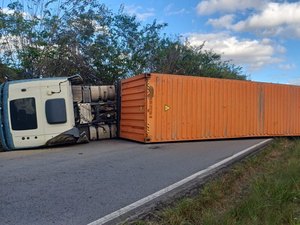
x,y
79,184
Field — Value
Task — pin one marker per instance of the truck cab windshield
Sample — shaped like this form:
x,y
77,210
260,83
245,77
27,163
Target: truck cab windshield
x,y
23,114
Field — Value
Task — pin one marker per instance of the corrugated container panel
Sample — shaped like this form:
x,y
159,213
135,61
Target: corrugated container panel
x,y
133,110
163,108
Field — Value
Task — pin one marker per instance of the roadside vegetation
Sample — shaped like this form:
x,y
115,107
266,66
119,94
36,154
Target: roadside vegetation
x,y
263,189
68,37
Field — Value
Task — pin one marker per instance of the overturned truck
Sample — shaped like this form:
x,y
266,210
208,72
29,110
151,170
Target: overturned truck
x,y
146,108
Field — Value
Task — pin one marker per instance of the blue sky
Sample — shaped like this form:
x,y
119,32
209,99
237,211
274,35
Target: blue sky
x,y
262,36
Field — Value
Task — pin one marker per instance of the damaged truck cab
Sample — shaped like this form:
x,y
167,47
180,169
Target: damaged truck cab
x,y
45,112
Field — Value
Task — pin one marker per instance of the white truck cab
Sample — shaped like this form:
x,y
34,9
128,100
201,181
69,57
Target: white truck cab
x,y
35,111
41,112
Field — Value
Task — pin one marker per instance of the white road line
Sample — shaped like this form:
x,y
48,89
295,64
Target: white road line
x,y
157,194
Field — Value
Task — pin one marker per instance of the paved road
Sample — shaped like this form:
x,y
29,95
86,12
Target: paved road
x,y
79,184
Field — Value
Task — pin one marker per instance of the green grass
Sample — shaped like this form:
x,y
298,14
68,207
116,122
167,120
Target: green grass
x,y
263,189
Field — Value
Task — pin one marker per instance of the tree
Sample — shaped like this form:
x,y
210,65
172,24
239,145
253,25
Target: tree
x,y
7,73
79,39
64,38
177,57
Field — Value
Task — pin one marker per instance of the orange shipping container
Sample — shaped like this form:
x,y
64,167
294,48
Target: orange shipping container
x,y
163,108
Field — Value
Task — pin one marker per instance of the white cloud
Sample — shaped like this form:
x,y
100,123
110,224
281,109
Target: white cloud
x,y
288,66
139,12
11,12
274,15
273,19
252,54
170,10
222,22
209,7
295,81
7,11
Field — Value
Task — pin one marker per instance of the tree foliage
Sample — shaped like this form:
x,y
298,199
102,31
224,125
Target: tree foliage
x,y
175,57
63,38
